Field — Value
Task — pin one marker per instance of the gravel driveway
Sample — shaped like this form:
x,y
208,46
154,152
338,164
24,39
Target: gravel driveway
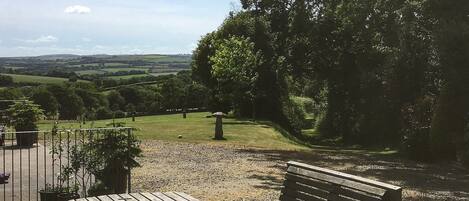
x,y
220,172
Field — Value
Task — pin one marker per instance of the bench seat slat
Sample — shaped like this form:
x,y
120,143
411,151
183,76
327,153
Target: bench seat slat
x,y
309,182
357,195
303,196
292,186
335,197
338,181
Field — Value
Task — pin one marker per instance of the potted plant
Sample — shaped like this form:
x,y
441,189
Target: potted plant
x,y
58,193
109,157
25,115
48,193
113,157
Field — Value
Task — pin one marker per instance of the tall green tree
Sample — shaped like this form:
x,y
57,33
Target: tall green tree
x,y
451,34
46,100
234,69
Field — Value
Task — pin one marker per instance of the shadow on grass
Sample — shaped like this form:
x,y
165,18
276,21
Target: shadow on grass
x,y
425,181
420,181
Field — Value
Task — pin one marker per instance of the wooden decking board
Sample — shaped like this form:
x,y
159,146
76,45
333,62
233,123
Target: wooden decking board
x,y
105,198
92,199
188,197
115,197
175,196
127,197
157,196
139,197
162,196
151,197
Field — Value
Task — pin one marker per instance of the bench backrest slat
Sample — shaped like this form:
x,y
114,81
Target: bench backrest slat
x,y
304,180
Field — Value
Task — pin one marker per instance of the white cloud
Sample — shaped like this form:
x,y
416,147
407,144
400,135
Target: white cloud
x,y
85,39
43,39
77,9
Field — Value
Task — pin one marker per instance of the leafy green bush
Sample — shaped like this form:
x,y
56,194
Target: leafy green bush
x,y
119,114
110,158
25,115
103,113
306,103
416,131
294,116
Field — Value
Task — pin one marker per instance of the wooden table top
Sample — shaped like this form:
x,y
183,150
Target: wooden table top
x,y
168,196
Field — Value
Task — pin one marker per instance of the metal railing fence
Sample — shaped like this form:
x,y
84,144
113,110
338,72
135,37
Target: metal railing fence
x,y
33,168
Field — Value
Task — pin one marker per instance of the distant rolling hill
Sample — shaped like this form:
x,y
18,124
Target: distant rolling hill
x,y
90,67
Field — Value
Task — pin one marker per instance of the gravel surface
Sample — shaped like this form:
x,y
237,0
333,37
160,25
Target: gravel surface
x,y
220,172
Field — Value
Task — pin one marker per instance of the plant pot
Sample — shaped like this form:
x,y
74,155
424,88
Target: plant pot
x,y
26,139
67,196
115,178
49,196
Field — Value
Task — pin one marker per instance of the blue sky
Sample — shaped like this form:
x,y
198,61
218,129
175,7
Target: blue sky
x,y
39,27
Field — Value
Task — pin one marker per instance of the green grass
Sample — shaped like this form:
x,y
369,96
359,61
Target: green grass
x,y
38,79
13,67
154,58
85,65
126,77
166,73
115,64
198,129
114,70
89,72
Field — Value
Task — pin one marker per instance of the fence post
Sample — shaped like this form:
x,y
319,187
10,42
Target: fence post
x,y
129,177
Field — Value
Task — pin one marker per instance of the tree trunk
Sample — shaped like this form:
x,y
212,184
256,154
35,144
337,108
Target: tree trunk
x,y
448,124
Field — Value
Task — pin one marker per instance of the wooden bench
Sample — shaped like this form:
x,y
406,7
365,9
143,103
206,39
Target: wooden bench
x,y
306,182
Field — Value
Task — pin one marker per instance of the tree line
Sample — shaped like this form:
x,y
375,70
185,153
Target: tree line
x,y
84,101
380,73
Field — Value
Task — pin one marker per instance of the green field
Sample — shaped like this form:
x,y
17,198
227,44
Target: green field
x,y
154,58
126,77
115,70
115,64
160,74
38,79
85,65
197,128
13,67
89,72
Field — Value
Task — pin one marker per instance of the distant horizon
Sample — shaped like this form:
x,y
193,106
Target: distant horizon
x,y
85,55
115,27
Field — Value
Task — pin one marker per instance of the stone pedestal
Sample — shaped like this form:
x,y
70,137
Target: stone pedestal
x,y
219,126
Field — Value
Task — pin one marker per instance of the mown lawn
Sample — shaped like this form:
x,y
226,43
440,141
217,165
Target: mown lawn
x,y
197,128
